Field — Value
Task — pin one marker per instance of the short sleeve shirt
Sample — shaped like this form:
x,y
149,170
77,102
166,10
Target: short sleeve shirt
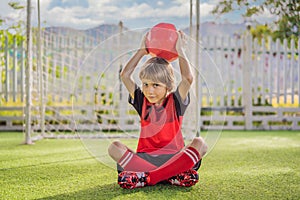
x,y
160,125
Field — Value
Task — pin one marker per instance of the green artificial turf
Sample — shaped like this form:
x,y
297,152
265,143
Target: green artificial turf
x,y
242,165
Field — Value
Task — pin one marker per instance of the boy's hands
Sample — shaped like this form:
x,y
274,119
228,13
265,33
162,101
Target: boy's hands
x,y
181,43
143,47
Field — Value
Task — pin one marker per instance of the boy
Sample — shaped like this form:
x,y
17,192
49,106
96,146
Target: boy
x,y
161,154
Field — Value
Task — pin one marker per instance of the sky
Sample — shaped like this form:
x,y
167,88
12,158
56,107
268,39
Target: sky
x,y
84,14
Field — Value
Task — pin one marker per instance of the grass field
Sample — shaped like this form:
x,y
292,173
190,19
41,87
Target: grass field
x,y
242,165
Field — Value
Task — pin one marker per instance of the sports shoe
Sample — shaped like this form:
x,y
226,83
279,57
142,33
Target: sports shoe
x,y
131,180
185,179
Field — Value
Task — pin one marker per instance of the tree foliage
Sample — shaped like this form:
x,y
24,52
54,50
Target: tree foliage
x,y
14,30
16,5
287,22
17,26
12,34
260,32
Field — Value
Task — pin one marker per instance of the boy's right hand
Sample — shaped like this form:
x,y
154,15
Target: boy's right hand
x,y
143,47
181,43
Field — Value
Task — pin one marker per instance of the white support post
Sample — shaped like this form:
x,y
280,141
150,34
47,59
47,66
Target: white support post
x,y
298,67
7,79
15,64
191,18
198,81
247,88
41,74
28,75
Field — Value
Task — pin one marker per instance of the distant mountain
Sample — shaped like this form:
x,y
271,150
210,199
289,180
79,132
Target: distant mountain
x,y
214,29
62,30
107,30
104,30
101,32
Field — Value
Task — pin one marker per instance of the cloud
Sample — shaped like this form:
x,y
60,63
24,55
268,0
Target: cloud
x,y
138,10
84,14
145,10
265,16
205,9
160,3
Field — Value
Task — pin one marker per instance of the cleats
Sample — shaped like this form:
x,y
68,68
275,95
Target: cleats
x,y
185,179
131,180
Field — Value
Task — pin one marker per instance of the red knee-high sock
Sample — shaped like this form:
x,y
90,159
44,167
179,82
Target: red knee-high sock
x,y
131,162
181,162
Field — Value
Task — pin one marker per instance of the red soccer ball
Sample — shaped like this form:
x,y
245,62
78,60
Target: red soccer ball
x,y
161,41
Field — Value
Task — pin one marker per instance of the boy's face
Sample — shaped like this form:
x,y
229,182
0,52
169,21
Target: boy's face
x,y
153,91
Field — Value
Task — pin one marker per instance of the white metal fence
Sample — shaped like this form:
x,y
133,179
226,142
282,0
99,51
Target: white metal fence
x,y
82,91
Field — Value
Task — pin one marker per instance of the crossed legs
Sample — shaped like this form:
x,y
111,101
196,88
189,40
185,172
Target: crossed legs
x,y
184,160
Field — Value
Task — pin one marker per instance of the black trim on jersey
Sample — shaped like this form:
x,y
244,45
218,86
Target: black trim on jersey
x,y
137,102
179,104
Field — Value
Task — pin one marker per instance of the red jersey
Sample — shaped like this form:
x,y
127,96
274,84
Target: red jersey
x,y
160,125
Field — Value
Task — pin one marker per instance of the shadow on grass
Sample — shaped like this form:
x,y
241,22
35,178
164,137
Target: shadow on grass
x,y
110,191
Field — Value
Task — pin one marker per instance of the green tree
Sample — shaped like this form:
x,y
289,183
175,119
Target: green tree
x,y
260,32
14,31
18,26
287,24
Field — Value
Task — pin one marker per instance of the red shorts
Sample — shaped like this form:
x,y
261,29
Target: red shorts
x,y
157,160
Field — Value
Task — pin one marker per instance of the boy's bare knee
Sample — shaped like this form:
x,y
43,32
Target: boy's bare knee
x,y
199,144
116,149
116,143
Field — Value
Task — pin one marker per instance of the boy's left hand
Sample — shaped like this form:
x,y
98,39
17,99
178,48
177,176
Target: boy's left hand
x,y
143,44
181,43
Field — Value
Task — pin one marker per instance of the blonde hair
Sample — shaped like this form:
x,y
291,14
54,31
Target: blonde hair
x,y
159,70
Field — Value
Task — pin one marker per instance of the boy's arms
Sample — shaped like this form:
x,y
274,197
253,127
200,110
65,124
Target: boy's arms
x,y
130,66
186,74
185,69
